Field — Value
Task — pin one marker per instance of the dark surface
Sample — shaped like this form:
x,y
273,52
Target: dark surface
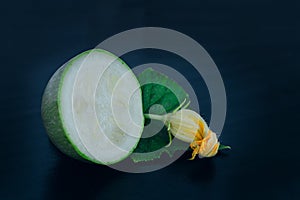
x,y
256,46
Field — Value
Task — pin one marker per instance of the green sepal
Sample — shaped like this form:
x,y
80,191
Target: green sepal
x,y
221,147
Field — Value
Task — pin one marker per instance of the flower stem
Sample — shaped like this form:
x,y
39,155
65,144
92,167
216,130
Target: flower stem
x,y
156,117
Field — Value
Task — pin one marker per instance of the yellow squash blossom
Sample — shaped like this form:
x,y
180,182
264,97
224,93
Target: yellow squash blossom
x,y
190,127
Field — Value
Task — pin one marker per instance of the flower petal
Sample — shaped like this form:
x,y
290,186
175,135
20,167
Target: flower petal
x,y
208,144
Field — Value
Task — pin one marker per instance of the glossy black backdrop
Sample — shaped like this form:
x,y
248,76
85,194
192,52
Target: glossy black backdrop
x,y
256,46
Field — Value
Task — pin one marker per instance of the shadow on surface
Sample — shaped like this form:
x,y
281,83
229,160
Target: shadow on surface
x,y
198,170
74,179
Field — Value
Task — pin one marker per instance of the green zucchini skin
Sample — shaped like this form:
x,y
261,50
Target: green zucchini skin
x,y
51,116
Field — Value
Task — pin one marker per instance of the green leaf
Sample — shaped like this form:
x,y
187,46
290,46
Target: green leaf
x,y
149,156
158,89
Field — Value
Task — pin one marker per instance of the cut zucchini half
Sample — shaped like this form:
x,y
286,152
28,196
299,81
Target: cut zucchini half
x,y
92,108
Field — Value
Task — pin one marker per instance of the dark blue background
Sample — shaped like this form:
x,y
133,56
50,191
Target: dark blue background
x,y
255,44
